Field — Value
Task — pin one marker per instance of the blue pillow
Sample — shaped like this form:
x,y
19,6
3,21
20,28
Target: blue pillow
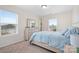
x,y
77,30
68,29
63,33
67,34
71,30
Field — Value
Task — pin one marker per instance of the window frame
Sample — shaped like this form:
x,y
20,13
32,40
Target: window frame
x,y
16,25
52,19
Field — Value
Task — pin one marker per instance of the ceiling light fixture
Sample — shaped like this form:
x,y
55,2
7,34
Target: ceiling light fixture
x,y
44,6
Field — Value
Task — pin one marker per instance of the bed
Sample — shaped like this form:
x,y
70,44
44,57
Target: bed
x,y
53,41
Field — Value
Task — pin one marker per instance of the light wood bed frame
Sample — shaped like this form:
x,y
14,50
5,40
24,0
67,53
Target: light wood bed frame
x,y
45,46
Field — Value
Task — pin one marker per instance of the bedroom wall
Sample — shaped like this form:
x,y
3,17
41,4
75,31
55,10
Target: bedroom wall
x,y
75,15
22,16
64,20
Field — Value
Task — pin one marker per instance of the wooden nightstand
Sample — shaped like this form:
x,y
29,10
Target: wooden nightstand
x,y
69,49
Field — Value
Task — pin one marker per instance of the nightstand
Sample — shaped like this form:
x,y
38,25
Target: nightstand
x,y
69,49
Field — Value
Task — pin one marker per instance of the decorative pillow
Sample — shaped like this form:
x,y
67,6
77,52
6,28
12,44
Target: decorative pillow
x,y
64,31
70,30
77,30
67,34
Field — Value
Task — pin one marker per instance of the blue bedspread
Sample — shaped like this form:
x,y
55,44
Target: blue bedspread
x,y
53,39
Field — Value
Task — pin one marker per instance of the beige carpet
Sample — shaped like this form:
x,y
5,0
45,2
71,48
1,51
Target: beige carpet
x,y
22,47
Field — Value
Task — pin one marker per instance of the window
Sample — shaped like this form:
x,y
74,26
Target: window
x,y
8,22
52,24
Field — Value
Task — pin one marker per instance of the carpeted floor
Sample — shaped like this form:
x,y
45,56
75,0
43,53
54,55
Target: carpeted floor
x,y
23,47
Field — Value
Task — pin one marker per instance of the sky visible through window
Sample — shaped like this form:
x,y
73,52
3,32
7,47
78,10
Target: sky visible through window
x,y
7,17
52,21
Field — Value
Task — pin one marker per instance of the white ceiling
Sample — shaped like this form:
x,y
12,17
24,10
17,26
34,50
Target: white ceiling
x,y
51,9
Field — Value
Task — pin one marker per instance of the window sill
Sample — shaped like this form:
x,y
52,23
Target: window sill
x,y
8,35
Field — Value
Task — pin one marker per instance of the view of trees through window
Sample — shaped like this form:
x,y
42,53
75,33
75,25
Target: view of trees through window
x,y
52,24
8,22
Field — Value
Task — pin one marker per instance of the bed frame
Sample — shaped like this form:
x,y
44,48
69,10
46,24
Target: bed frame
x,y
45,46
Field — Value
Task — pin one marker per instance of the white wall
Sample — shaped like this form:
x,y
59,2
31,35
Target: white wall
x,y
22,17
64,20
75,15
